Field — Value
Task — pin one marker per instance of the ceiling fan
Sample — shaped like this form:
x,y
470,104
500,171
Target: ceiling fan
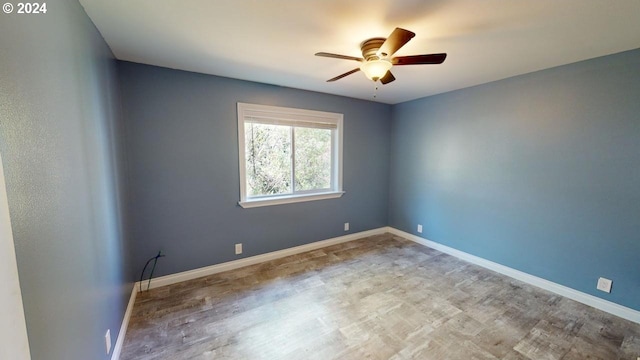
x,y
377,57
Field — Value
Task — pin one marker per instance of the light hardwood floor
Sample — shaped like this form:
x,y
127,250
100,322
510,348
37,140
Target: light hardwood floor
x,y
381,297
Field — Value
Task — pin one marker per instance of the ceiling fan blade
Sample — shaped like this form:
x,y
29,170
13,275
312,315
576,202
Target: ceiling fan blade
x,y
395,41
387,78
338,56
419,59
343,75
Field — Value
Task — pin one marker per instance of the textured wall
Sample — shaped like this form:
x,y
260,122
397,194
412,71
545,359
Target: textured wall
x,y
539,172
58,119
182,153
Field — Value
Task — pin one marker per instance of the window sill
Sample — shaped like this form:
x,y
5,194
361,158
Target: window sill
x,y
247,204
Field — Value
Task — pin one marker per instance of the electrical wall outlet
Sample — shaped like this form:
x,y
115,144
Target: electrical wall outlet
x,y
238,249
604,285
346,226
107,340
420,228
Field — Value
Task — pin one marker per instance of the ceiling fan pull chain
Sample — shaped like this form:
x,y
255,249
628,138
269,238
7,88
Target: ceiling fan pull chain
x,y
375,89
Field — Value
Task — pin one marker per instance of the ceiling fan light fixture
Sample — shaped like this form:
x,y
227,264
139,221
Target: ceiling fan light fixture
x,y
377,57
375,69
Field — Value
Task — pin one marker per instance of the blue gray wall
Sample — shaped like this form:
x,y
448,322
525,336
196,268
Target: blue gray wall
x,y
182,155
540,173
58,128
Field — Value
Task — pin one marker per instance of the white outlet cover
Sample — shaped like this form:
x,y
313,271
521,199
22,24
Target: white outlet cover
x,y
604,285
238,249
107,340
420,228
346,226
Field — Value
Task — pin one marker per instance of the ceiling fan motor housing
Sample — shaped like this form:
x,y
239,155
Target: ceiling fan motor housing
x,y
370,48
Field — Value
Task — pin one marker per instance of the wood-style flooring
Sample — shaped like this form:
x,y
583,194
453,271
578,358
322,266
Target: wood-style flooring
x,y
381,297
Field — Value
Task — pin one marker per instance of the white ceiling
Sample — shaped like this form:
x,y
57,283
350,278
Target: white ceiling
x,y
274,41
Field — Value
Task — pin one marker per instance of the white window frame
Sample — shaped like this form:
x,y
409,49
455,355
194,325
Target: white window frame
x,y
289,116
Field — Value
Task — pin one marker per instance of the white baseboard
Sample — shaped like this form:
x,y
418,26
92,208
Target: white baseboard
x,y
214,269
235,264
593,301
115,355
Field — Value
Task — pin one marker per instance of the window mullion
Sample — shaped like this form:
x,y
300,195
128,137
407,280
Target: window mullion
x,y
334,160
293,160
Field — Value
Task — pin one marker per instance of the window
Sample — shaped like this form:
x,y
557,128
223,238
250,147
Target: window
x,y
288,155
